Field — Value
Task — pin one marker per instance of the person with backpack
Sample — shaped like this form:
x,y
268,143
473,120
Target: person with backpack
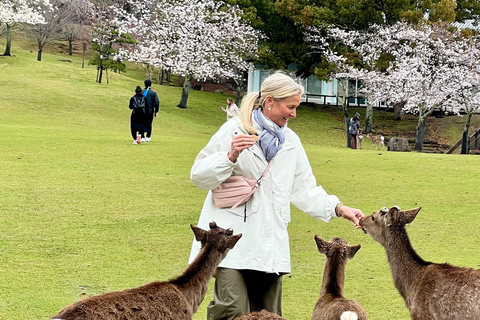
x,y
153,106
353,130
139,117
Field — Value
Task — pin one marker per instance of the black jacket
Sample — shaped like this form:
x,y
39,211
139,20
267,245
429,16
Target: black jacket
x,y
153,103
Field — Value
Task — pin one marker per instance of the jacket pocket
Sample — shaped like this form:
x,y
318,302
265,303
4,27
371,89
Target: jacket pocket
x,y
248,208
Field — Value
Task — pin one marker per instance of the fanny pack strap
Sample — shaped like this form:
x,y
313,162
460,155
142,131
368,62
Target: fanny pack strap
x,y
264,172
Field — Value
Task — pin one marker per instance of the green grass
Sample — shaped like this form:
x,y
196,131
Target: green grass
x,y
83,211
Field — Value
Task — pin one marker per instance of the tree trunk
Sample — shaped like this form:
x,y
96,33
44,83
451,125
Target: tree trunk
x,y
238,91
70,47
342,97
169,78
39,55
101,71
238,95
185,92
9,40
420,137
368,119
398,110
466,128
161,76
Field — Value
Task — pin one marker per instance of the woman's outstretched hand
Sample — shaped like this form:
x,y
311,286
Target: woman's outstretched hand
x,y
351,214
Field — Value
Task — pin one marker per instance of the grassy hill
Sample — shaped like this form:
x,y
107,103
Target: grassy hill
x,y
83,211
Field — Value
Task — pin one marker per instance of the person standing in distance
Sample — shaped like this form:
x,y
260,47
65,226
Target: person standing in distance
x,y
353,130
153,106
231,109
250,277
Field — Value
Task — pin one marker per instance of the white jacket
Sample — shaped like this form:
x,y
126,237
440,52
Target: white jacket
x,y
264,245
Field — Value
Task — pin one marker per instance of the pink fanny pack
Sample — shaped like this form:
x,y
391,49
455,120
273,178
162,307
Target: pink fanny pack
x,y
236,190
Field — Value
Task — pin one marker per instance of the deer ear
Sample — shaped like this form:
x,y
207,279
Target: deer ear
x,y
392,215
200,234
410,215
322,245
232,241
352,250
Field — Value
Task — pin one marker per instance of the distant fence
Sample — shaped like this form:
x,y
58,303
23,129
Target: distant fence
x,y
352,101
474,141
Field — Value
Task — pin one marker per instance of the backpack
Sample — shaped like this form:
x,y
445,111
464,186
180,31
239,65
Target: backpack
x,y
139,104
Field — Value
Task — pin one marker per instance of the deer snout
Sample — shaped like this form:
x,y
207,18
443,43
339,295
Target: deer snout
x,y
361,222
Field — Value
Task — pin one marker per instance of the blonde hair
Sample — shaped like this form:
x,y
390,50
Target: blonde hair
x,y
278,85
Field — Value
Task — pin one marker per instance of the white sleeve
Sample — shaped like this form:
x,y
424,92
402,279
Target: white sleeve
x,y
212,165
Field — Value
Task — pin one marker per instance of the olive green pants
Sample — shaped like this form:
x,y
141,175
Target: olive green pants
x,y
237,292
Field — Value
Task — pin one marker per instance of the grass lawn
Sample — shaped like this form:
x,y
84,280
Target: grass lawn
x,y
83,211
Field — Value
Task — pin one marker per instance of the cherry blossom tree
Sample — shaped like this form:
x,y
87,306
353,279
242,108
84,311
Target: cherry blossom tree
x,y
13,12
108,36
426,63
195,39
341,50
467,85
55,19
422,64
78,19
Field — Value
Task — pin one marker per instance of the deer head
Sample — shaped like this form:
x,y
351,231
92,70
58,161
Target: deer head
x,y
376,224
336,246
222,239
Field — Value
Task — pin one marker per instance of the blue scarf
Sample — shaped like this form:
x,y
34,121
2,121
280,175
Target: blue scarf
x,y
271,136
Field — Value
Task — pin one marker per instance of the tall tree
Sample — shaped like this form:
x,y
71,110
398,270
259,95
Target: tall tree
x,y
206,39
78,19
467,85
55,18
423,66
108,35
13,12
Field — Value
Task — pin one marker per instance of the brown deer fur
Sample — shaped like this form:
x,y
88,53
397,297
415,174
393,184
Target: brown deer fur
x,y
431,291
260,315
377,140
360,139
177,299
331,304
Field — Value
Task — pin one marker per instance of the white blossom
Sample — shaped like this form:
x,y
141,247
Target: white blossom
x,y
201,39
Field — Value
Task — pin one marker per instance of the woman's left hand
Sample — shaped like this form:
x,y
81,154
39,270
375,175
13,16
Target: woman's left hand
x,y
351,214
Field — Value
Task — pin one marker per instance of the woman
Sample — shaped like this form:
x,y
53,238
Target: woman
x,y
249,278
231,110
353,129
138,118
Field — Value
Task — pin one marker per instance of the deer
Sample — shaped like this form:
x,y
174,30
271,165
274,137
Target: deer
x,y
176,299
431,291
332,305
360,138
260,315
378,140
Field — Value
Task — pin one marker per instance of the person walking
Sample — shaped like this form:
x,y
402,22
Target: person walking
x,y
153,106
353,130
138,118
250,277
231,109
